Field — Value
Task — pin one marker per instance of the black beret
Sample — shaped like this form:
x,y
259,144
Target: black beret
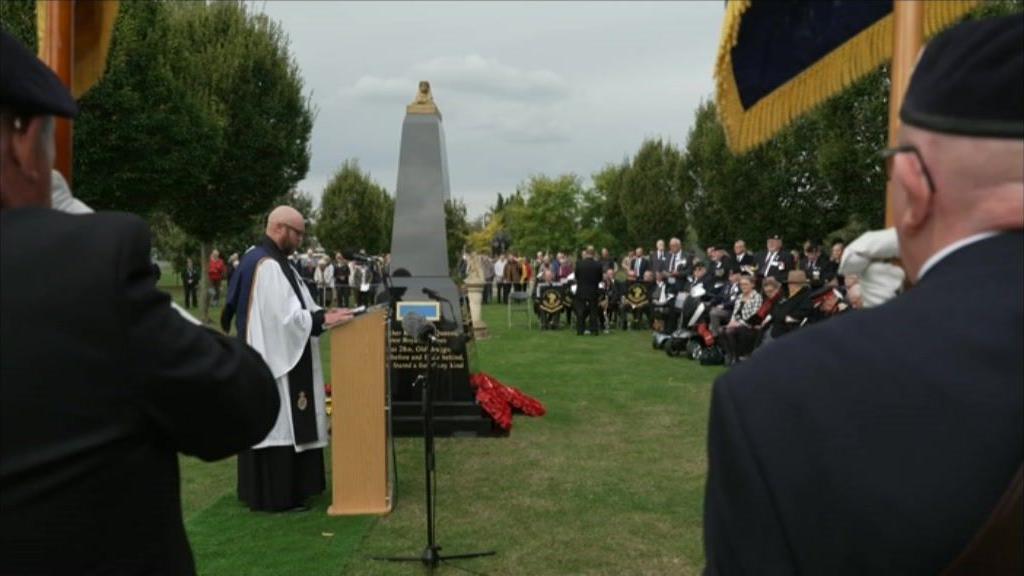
x,y
28,86
970,81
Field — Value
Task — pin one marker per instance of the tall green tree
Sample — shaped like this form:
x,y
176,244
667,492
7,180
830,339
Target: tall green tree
x,y
652,198
457,229
355,212
608,194
544,214
144,138
255,86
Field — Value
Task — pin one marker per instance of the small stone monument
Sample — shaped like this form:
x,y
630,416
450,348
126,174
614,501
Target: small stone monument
x,y
475,291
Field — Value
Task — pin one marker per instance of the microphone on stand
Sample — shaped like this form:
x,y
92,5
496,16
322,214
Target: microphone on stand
x,y
434,294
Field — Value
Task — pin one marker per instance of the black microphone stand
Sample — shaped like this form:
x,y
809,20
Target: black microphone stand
x,y
431,556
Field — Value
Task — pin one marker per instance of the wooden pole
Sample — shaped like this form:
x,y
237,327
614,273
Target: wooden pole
x,y
57,50
908,36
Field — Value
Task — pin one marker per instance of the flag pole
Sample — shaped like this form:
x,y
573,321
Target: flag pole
x,y
56,49
908,36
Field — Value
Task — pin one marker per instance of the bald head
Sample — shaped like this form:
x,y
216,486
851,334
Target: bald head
x,y
955,187
286,227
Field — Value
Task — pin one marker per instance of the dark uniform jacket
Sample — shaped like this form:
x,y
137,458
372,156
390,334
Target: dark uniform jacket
x,y
747,259
190,276
778,268
101,388
645,265
816,270
877,442
659,262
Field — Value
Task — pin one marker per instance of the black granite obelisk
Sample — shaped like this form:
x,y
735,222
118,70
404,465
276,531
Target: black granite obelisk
x,y
419,260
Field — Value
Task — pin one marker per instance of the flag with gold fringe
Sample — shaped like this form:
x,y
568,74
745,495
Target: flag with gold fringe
x,y
777,60
92,29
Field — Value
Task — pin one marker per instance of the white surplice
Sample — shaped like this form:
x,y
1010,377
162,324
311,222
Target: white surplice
x,y
278,329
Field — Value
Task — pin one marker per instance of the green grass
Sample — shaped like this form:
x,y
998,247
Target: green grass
x,y
610,481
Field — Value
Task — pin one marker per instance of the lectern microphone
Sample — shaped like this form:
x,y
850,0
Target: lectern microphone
x,y
434,294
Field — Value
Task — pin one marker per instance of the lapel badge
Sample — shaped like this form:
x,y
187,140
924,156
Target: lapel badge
x,y
302,402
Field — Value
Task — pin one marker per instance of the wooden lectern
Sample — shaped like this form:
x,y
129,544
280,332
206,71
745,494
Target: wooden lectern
x,y
360,481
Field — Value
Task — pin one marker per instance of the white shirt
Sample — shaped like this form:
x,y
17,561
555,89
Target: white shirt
x,y
961,243
499,269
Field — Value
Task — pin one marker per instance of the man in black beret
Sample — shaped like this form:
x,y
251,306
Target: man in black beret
x,y
888,441
775,262
101,390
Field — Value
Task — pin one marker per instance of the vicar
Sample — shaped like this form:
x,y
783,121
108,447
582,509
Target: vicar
x,y
277,316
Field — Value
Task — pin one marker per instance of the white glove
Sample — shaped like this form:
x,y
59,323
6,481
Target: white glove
x,y
185,314
61,198
866,257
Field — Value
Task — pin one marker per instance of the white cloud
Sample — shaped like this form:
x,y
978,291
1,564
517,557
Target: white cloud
x,y
487,76
373,87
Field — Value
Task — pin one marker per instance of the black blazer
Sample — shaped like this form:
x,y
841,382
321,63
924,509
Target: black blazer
x,y
780,267
588,275
645,265
102,386
879,441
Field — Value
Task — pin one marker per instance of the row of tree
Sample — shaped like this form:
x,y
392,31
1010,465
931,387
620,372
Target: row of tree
x,y
818,179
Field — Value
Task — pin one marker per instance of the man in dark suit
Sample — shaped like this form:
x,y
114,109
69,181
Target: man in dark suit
x,y
588,277
743,260
190,281
659,258
103,389
881,441
640,264
813,264
776,261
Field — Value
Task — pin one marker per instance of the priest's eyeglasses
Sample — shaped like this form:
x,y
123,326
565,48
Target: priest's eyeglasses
x,y
888,153
301,233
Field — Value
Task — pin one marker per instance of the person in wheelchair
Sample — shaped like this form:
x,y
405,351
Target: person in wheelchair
x,y
662,298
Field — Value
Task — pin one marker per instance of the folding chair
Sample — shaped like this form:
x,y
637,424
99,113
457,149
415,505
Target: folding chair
x,y
520,302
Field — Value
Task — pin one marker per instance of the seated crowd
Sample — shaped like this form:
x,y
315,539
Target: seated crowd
x,y
732,302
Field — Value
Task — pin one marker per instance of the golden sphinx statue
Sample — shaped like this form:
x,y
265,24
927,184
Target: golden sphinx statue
x,y
424,102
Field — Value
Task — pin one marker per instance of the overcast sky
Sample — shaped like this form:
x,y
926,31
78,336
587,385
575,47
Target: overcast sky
x,y
523,87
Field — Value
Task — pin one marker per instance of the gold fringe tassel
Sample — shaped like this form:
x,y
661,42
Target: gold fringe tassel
x,y
745,129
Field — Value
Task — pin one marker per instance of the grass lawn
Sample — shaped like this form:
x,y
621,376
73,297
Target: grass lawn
x,y
610,481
